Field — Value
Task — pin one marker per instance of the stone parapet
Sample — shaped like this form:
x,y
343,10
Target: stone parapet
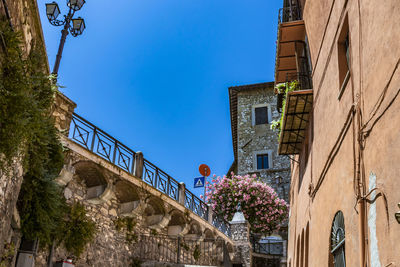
x,y
63,108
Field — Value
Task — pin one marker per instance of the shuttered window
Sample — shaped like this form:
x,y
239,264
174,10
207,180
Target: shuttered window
x,y
262,162
261,114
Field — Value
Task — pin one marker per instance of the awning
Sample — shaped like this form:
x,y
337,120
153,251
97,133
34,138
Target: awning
x,y
295,121
290,41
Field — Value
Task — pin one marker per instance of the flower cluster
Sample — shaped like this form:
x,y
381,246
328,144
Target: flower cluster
x,y
259,202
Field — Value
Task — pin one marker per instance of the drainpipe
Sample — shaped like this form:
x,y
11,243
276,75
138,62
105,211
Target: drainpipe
x,y
361,191
361,229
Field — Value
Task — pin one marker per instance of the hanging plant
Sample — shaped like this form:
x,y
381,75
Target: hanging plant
x,y
284,89
259,202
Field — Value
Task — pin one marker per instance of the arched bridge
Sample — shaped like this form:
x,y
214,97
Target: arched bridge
x,y
115,183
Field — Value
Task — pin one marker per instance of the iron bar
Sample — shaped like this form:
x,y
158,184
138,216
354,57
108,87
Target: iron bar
x,y
288,14
88,135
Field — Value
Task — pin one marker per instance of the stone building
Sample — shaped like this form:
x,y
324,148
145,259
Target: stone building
x,y
343,130
22,16
255,146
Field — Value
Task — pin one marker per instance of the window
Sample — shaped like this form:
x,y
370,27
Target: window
x,y
262,161
337,240
344,55
261,114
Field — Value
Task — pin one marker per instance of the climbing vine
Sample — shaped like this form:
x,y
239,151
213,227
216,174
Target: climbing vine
x,y
128,225
77,229
8,254
284,89
28,135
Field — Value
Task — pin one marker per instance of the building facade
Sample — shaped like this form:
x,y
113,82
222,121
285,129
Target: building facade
x,y
343,129
21,16
255,144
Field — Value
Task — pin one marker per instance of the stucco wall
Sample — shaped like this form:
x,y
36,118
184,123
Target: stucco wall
x,y
332,165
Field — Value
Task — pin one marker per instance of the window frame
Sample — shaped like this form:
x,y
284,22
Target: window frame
x,y
344,56
262,152
337,246
253,114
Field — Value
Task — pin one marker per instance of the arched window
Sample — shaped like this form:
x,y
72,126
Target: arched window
x,y
337,240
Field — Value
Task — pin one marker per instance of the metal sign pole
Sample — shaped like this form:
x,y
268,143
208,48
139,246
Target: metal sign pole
x,y
205,182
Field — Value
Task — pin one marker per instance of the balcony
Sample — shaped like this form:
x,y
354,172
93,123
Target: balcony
x,y
290,42
296,113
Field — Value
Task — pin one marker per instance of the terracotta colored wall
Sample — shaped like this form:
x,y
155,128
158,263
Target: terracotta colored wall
x,y
372,65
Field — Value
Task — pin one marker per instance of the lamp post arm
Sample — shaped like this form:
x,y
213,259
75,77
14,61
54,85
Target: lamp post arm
x,y
64,33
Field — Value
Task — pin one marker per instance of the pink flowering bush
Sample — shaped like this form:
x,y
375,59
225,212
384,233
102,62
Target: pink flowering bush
x,y
259,202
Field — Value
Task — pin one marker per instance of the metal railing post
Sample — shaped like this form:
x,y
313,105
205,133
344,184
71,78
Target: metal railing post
x,y
210,215
181,193
178,251
138,168
115,151
93,139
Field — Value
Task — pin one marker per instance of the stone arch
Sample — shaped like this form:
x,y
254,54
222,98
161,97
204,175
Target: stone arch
x,y
230,247
96,179
177,224
208,235
195,230
128,196
154,213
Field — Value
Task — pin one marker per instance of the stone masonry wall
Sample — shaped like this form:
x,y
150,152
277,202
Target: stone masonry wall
x,y
109,247
24,18
253,138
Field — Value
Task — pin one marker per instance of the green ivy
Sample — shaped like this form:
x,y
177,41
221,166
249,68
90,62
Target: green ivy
x,y
135,262
196,253
27,133
8,254
128,224
283,88
77,229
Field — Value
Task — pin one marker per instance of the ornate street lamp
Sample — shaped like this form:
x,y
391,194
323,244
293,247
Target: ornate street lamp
x,y
74,26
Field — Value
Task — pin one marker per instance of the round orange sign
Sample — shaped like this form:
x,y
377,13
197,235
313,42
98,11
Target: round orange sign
x,y
204,170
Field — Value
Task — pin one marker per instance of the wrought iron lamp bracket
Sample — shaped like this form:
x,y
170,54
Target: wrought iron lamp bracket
x,y
56,22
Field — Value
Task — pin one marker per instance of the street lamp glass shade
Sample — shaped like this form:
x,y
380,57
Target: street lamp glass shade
x,y
78,26
75,4
52,11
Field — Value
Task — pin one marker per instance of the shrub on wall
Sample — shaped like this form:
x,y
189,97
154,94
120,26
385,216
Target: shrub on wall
x,y
77,229
284,89
259,202
27,133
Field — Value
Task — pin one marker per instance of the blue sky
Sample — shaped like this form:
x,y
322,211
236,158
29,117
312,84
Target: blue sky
x,y
155,73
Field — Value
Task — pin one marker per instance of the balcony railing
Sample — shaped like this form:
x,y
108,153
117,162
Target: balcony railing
x,y
101,143
288,14
268,247
303,78
221,225
104,145
196,205
180,250
161,181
